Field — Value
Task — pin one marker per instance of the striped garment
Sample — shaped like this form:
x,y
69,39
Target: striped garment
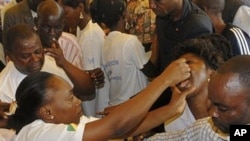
x,y
71,49
201,130
239,39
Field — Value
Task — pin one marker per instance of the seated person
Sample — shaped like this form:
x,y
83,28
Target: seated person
x,y
48,110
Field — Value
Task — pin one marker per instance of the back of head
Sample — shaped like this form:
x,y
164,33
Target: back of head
x,y
216,6
107,11
238,65
16,32
30,95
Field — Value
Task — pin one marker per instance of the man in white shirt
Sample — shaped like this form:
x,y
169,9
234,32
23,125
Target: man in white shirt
x,y
27,56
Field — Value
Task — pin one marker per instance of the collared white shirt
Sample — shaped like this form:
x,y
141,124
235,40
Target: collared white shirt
x,y
41,131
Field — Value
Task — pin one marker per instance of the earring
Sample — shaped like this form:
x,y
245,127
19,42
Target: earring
x,y
81,16
52,117
208,79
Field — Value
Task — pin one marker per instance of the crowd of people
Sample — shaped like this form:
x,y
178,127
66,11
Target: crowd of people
x,y
99,70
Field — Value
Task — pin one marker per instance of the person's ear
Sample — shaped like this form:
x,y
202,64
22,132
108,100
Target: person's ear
x,y
46,113
81,7
210,73
8,56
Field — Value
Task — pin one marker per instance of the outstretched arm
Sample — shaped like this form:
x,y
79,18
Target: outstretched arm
x,y
160,115
130,113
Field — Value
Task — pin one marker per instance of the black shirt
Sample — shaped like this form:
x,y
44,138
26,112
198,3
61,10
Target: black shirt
x,y
192,23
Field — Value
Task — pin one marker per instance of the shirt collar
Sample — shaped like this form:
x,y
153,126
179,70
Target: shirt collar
x,y
220,134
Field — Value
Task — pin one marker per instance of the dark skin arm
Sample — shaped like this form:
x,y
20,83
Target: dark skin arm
x,y
150,68
4,107
84,87
97,76
127,115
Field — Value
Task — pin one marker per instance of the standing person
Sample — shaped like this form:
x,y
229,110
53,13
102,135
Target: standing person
x,y
126,63
90,37
204,57
228,91
238,38
23,12
237,12
6,7
50,23
27,56
48,110
176,21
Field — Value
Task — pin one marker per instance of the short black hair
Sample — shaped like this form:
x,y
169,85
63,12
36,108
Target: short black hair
x,y
209,47
15,32
107,11
30,96
239,65
75,3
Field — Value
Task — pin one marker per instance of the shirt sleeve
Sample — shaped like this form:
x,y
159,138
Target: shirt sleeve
x,y
135,52
63,132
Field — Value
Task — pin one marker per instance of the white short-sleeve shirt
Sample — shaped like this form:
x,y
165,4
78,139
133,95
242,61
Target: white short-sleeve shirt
x,y
91,40
41,131
10,78
124,57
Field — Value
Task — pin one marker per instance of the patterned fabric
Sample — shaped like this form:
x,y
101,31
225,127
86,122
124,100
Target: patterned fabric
x,y
242,18
141,20
201,130
71,49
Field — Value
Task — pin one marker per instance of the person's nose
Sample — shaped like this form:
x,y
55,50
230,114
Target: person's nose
x,y
52,31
